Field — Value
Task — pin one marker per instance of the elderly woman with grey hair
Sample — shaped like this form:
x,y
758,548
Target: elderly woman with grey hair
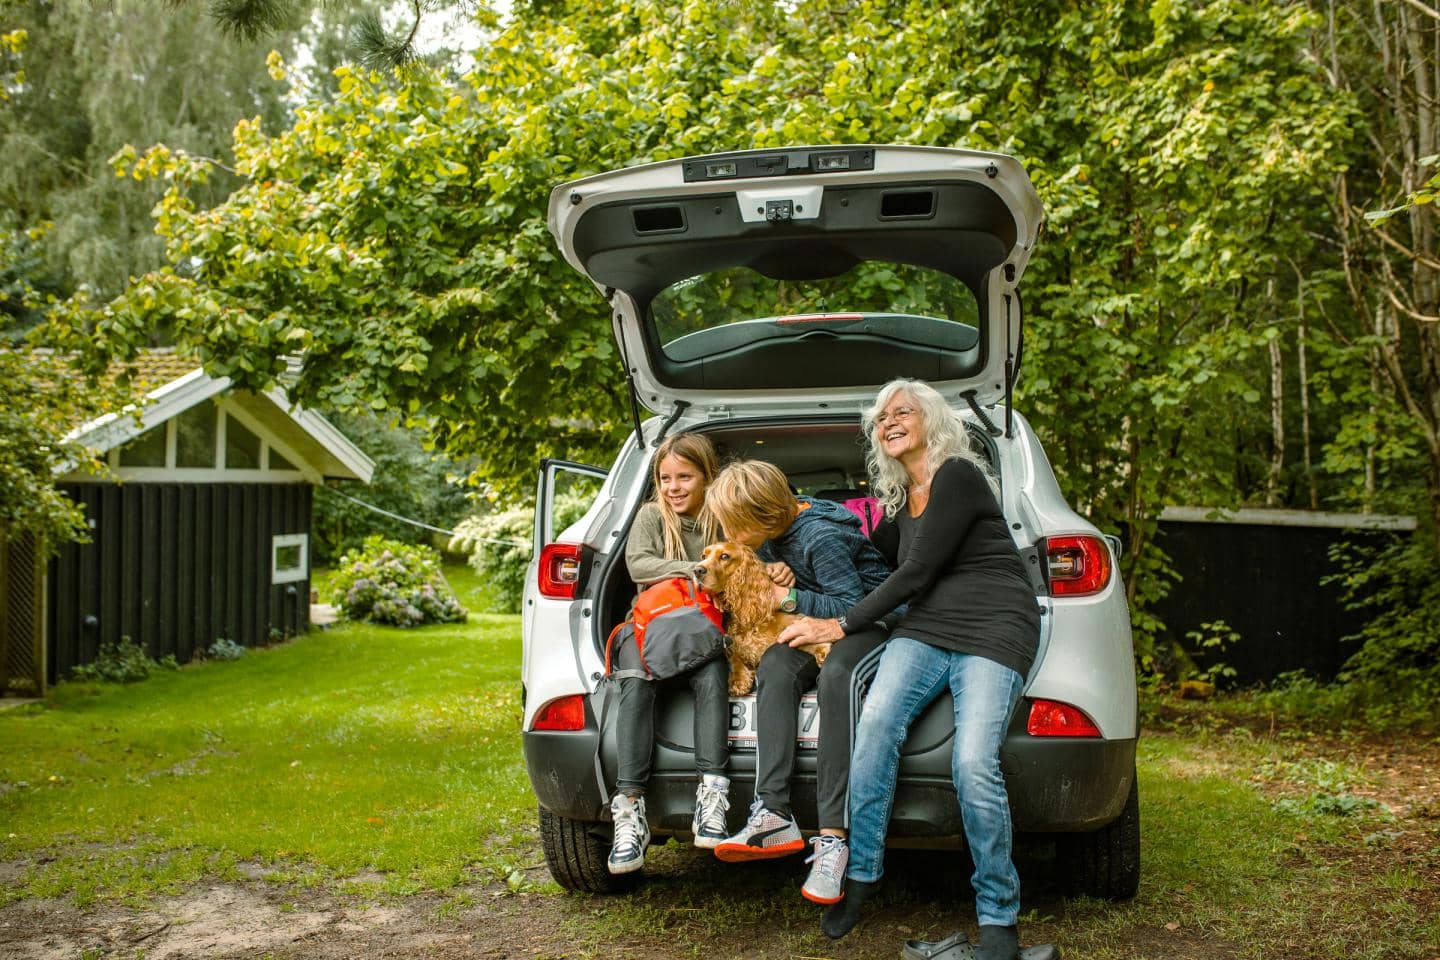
x,y
972,627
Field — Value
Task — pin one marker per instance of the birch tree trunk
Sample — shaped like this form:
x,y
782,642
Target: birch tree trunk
x,y
1305,398
1392,269
1277,423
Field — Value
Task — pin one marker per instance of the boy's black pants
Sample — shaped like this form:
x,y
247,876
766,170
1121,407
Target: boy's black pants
x,y
785,673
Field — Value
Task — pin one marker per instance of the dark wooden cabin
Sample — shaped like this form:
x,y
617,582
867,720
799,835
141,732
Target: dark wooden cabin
x,y
201,533
1265,574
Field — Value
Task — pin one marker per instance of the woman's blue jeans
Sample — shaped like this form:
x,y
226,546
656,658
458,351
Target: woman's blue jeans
x,y
911,675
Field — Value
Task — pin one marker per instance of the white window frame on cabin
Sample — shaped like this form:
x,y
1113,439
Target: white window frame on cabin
x,y
225,411
299,572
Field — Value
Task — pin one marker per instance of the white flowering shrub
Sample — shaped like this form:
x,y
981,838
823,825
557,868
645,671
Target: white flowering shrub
x,y
499,544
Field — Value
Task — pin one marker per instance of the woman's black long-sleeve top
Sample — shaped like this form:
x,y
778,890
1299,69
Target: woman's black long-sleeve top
x,y
959,571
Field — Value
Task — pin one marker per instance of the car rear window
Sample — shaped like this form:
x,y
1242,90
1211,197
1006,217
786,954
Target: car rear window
x,y
728,309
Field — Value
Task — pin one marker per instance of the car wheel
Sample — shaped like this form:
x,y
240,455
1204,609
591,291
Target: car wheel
x,y
576,852
1105,863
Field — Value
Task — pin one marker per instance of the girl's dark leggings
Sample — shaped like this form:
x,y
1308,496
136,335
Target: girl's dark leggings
x,y
635,722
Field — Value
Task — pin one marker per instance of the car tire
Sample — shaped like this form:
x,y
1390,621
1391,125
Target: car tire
x,y
575,852
1105,863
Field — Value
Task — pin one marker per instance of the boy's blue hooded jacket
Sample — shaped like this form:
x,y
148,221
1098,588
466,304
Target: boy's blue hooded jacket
x,y
835,564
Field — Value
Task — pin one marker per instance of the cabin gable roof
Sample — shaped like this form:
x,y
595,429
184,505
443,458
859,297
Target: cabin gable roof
x,y
306,439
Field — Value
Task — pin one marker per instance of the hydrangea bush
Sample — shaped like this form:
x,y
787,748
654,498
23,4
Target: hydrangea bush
x,y
122,662
395,583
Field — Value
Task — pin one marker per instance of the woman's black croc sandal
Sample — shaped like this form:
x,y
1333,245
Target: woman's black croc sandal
x,y
954,947
957,947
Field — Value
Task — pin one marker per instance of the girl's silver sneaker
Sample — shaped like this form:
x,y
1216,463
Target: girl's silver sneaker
x,y
828,858
712,799
632,834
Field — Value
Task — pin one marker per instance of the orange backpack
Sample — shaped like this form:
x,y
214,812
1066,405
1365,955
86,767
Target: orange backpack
x,y
679,622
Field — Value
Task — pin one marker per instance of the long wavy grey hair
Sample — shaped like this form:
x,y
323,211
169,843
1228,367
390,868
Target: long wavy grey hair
x,y
944,433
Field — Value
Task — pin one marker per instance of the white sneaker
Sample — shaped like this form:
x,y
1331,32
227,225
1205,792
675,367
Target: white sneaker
x,y
712,799
826,882
632,834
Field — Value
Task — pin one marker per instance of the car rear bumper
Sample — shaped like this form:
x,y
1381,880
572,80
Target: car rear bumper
x,y
1055,785
565,773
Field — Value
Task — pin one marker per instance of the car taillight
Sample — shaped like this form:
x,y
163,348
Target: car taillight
x,y
560,570
1050,718
562,713
1078,565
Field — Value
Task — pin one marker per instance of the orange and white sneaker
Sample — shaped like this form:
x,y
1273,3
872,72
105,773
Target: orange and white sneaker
x,y
765,836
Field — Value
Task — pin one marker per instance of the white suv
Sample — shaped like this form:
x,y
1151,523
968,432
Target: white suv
x,y
761,298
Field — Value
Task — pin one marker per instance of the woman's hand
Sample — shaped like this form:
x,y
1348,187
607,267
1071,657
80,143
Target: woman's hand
x,y
810,630
780,573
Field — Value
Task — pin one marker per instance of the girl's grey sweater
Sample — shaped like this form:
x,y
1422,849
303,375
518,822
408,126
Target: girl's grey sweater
x,y
645,550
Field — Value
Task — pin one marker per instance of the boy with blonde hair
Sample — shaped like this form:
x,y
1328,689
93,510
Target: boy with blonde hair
x,y
822,563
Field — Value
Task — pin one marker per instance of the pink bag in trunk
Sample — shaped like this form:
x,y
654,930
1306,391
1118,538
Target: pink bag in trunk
x,y
867,509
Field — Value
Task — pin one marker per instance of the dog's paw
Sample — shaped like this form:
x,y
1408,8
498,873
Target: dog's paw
x,y
821,651
741,682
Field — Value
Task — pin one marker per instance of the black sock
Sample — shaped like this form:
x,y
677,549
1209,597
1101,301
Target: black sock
x,y
841,917
998,943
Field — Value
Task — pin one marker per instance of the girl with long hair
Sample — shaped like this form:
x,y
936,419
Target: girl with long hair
x,y
668,536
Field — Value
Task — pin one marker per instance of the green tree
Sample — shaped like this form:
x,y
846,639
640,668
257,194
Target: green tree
x,y
394,235
368,38
1384,57
98,76
409,480
45,397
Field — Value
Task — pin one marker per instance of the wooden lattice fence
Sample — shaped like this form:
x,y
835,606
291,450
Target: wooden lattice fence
x,y
22,615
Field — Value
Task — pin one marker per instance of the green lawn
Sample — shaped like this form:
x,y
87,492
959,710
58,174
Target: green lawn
x,y
383,761
358,751
474,592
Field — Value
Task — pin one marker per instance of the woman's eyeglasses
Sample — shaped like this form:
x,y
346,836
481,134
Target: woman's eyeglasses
x,y
894,416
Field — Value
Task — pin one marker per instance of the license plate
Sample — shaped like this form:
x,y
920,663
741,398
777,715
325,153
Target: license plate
x,y
742,722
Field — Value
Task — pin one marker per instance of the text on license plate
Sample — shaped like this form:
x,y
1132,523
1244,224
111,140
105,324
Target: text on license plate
x,y
743,722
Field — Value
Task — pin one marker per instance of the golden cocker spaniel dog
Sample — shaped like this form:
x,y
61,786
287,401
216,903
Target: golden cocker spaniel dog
x,y
736,577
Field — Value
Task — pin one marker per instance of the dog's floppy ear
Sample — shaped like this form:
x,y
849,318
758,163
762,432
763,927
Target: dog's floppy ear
x,y
748,592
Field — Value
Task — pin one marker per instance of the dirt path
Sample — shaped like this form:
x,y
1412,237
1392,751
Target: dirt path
x,y
257,919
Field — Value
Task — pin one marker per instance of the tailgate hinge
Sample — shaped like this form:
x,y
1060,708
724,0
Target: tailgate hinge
x,y
1011,365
